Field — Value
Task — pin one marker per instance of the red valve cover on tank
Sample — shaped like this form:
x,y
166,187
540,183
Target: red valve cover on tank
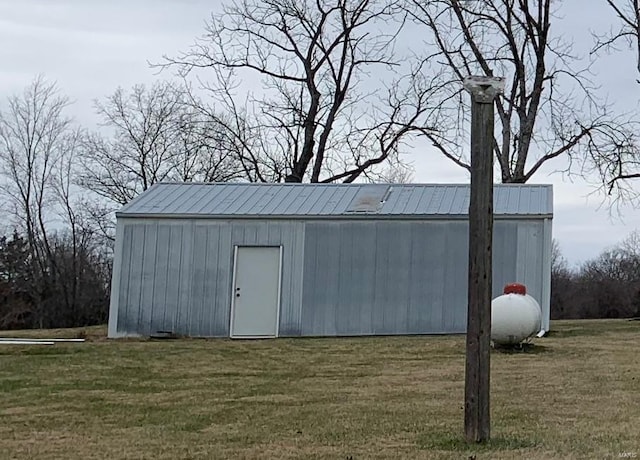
x,y
515,288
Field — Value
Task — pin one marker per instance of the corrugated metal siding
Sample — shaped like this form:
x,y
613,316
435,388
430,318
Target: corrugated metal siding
x,y
529,256
386,278
339,277
519,247
404,277
505,250
305,200
545,298
176,275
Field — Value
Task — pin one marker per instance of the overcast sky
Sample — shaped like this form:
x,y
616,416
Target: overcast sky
x,y
90,47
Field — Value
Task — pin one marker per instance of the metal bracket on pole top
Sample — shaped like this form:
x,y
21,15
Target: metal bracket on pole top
x,y
484,89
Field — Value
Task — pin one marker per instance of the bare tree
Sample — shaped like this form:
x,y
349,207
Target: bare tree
x,y
611,286
628,31
153,134
38,147
549,109
297,86
77,244
562,285
620,163
558,262
32,130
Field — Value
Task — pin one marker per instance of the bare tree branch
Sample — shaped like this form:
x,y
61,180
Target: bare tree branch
x,y
312,60
38,146
156,135
628,13
550,106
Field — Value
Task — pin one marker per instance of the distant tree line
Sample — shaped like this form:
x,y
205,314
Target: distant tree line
x,y
55,264
306,91
68,287
607,286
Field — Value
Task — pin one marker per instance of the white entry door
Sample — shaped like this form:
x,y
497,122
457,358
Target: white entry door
x,y
256,292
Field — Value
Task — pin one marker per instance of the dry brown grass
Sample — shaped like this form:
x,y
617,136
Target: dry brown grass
x,y
574,395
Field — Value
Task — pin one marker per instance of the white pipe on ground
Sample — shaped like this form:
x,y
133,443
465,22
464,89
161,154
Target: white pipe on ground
x,y
17,339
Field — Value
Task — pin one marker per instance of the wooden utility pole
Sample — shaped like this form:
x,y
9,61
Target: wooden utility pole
x,y
483,91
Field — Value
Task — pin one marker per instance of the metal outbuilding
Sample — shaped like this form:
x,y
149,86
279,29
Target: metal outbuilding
x,y
264,260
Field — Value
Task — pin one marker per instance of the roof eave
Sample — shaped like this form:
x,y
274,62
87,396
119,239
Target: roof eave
x,y
352,216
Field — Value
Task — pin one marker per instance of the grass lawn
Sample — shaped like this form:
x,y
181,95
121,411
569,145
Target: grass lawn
x,y
575,395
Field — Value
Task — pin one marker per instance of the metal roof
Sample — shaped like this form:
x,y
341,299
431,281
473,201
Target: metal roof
x,y
240,200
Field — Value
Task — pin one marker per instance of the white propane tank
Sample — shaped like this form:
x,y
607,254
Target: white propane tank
x,y
515,316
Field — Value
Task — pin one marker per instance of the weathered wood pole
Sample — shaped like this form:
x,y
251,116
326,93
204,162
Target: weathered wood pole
x,y
476,408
